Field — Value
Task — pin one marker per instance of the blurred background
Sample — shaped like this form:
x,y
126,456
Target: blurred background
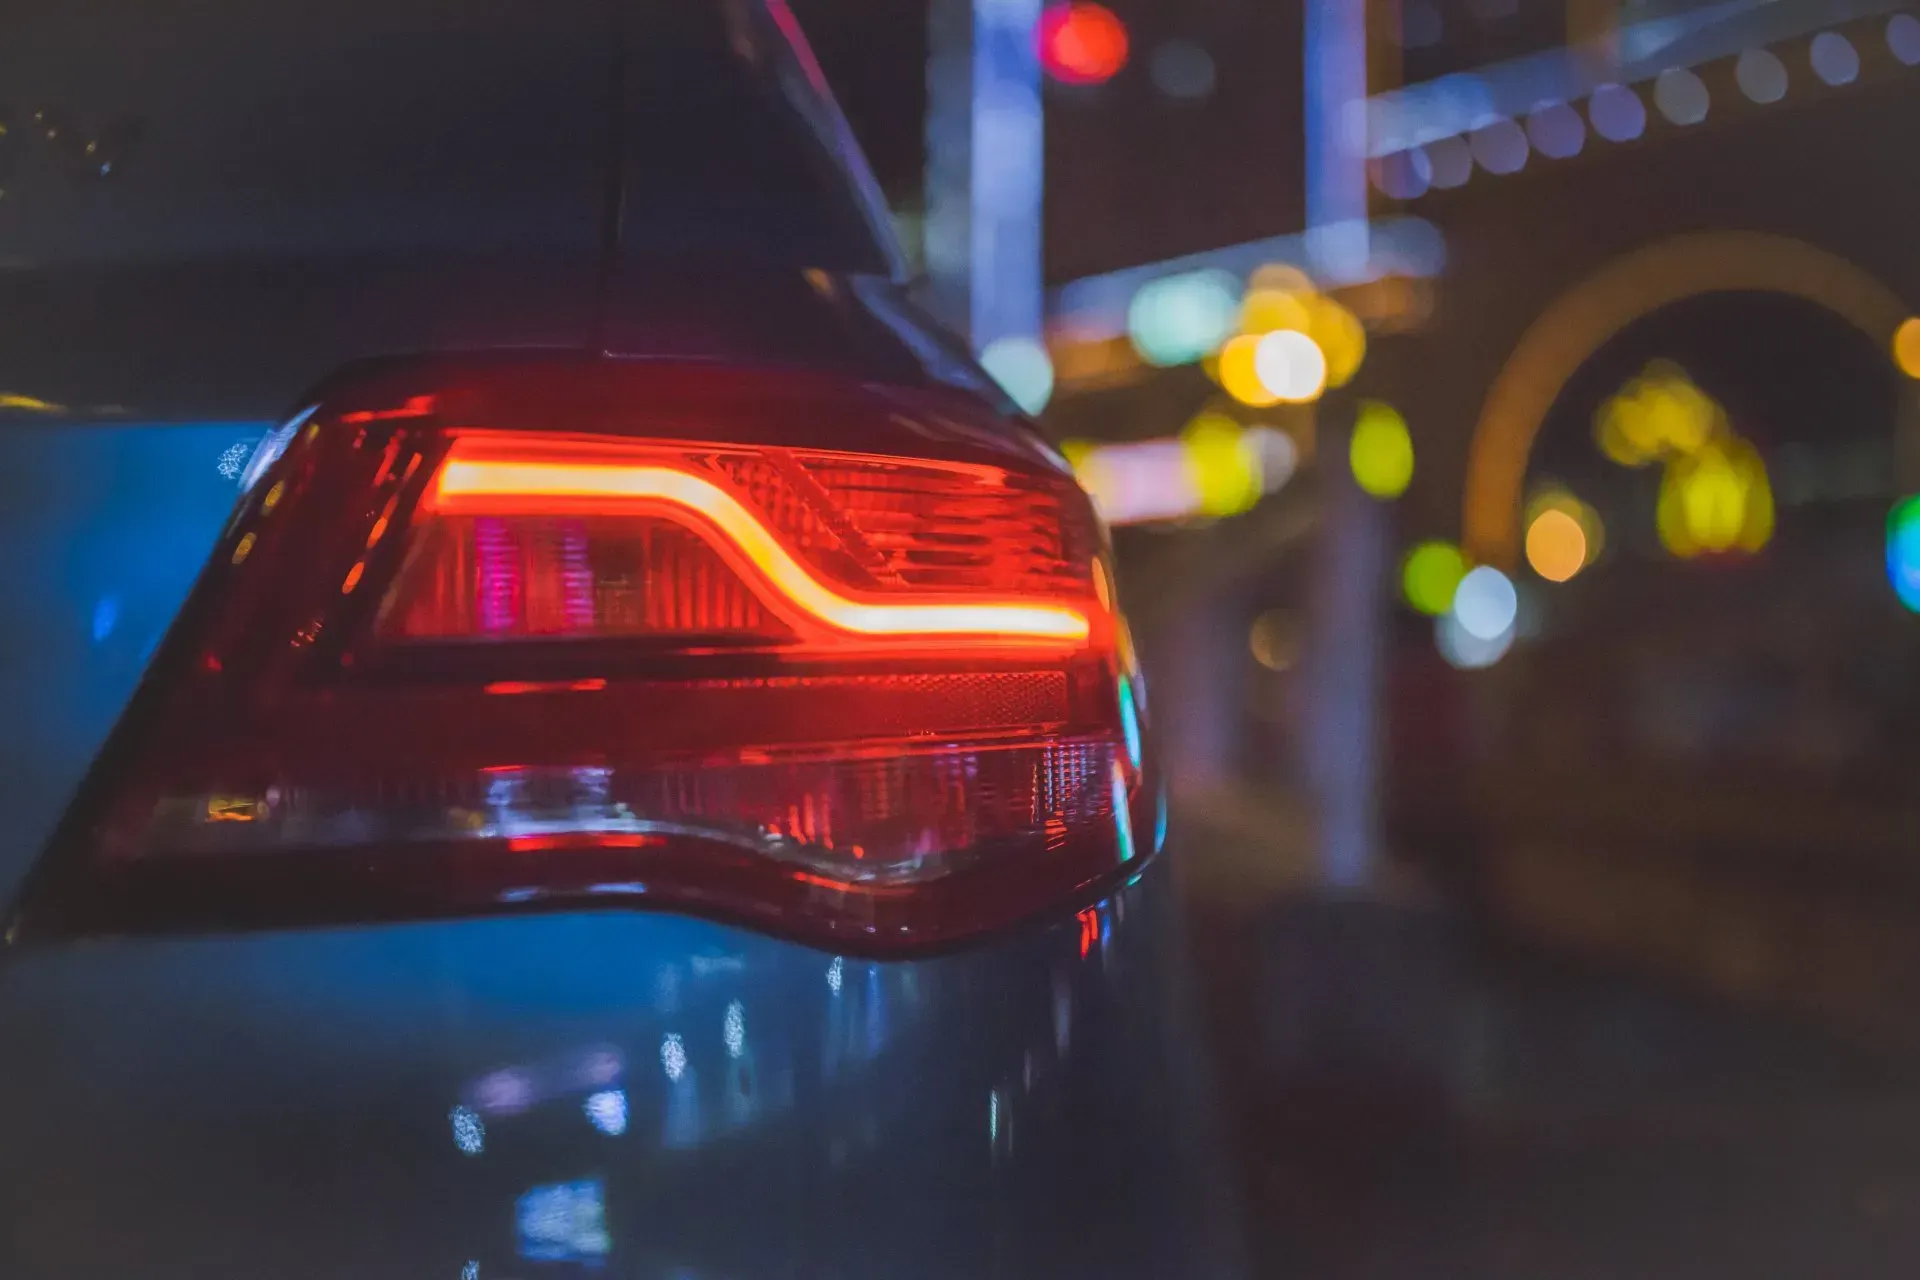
x,y
1506,410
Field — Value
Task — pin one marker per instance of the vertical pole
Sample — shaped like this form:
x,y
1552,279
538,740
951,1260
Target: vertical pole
x,y
985,168
1343,711
1343,719
1335,77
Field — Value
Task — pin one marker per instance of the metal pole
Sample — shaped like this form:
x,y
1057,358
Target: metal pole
x,y
985,168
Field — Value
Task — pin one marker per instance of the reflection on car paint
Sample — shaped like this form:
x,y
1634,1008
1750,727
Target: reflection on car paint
x,y
469,1131
563,1222
607,1111
106,525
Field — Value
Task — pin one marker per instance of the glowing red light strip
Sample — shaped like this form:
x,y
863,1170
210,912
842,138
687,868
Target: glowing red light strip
x,y
500,486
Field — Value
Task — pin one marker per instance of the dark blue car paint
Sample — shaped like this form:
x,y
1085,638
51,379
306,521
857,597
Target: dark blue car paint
x,y
295,1104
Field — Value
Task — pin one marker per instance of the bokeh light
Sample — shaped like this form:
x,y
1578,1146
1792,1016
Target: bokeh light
x,y
1462,649
1381,451
1617,113
1834,58
1761,75
1275,640
1023,369
1276,303
1290,365
1715,500
1223,465
1182,69
1403,175
1178,319
1556,545
1906,347
1239,377
1903,552
1216,467
1449,162
1486,603
1681,96
1082,43
1431,574
1593,531
1659,414
1341,337
1500,147
1903,38
1279,456
1557,131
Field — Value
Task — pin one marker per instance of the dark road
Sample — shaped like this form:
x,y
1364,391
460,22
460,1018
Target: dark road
x,y
1420,1098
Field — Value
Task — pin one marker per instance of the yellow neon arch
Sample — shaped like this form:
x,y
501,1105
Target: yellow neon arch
x,y
1581,320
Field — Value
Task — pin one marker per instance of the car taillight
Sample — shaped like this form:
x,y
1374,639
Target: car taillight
x,y
836,659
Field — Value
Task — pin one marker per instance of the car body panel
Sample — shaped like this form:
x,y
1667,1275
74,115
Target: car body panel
x,y
296,1104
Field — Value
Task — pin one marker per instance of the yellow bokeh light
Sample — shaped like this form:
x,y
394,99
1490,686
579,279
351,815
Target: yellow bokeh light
x,y
1076,452
1223,464
1381,451
1906,347
1556,545
1341,336
1269,310
1239,376
1658,415
1280,277
1716,500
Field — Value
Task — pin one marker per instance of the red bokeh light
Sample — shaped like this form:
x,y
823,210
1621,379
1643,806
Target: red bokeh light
x,y
1082,43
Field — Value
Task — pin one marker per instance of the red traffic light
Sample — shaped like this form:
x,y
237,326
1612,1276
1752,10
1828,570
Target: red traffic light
x,y
1082,43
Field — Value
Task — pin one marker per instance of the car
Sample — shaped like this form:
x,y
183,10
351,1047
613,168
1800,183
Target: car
x,y
556,723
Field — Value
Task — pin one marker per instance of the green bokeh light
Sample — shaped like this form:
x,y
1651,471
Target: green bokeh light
x,y
1431,574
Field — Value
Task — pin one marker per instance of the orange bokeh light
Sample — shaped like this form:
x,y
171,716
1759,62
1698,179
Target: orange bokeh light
x,y
1556,545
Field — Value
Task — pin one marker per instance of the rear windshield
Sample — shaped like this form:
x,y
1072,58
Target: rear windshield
x,y
230,129
734,141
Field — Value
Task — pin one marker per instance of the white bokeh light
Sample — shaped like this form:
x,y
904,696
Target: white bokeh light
x,y
1761,75
1290,365
1681,96
1464,650
1485,603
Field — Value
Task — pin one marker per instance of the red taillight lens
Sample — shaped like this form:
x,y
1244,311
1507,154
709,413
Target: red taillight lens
x,y
523,535
835,659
